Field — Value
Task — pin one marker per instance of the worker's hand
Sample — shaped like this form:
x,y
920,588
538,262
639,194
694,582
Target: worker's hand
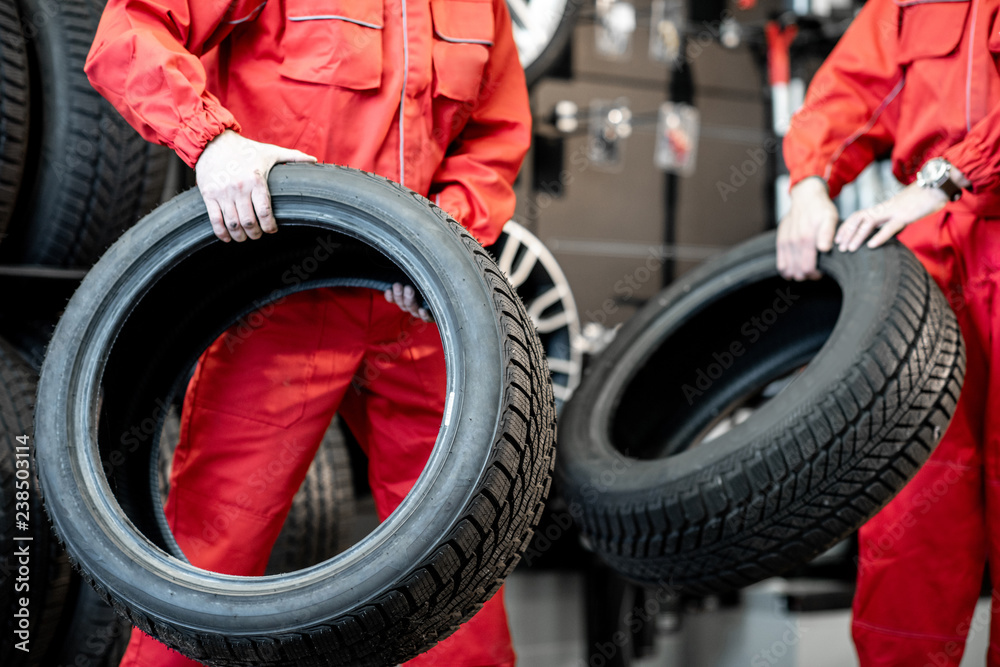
x,y
406,298
891,216
808,228
232,177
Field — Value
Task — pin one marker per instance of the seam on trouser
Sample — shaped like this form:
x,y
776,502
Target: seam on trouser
x,y
909,635
216,502
955,466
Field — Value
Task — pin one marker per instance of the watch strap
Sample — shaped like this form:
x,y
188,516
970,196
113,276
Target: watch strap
x,y
950,188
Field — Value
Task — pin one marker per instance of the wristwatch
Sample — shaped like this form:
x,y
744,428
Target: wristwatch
x,y
937,174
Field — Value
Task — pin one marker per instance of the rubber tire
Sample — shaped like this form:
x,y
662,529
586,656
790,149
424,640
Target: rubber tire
x,y
15,105
535,274
162,293
553,52
30,337
85,184
48,575
92,634
809,466
319,524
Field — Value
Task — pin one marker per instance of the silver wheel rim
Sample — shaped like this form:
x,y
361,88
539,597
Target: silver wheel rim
x,y
552,308
535,24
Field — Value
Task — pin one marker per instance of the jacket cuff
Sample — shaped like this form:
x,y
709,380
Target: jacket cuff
x,y
974,164
198,131
833,185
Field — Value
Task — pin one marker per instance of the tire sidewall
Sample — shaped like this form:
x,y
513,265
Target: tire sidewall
x,y
868,281
81,504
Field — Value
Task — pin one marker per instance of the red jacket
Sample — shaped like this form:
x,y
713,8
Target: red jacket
x,y
918,77
443,110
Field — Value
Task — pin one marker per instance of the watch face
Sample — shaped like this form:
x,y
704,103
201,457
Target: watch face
x,y
934,173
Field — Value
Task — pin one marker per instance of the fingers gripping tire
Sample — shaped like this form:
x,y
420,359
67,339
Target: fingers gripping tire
x,y
168,288
663,504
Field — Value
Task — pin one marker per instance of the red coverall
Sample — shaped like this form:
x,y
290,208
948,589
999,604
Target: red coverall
x,y
921,78
429,93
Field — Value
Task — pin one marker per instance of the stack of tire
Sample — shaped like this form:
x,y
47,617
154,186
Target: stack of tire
x,y
73,177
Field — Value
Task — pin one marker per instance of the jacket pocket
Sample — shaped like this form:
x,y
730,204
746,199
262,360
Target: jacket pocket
x,y
930,28
463,36
994,43
335,43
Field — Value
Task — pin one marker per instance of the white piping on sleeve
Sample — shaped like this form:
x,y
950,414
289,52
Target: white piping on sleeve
x,y
402,98
864,129
249,16
968,74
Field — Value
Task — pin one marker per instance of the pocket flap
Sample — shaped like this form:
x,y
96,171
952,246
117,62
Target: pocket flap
x,y
366,13
333,43
930,29
463,21
463,35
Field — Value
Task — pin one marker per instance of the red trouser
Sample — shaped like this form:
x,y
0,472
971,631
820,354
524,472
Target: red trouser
x,y
922,557
255,412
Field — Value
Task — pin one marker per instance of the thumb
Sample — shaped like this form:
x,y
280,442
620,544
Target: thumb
x,y
825,232
289,155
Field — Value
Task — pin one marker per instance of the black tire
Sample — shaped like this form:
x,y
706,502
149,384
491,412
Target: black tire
x,y
30,337
92,633
808,467
154,166
85,184
14,109
535,273
319,524
43,577
168,288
